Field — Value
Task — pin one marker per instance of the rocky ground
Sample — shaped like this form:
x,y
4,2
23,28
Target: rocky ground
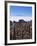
x,y
20,30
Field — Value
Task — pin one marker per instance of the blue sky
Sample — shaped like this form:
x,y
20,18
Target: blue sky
x,y
20,12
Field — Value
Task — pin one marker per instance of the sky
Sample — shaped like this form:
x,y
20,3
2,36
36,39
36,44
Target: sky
x,y
20,12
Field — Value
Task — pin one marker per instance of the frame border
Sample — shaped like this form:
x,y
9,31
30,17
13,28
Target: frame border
x,y
6,22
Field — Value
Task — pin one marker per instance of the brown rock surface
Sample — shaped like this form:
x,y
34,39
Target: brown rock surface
x,y
20,30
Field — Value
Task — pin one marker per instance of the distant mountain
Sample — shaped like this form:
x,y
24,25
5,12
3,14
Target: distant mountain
x,y
14,21
10,22
30,21
22,21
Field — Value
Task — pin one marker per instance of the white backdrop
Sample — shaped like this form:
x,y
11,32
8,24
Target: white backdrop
x,y
2,24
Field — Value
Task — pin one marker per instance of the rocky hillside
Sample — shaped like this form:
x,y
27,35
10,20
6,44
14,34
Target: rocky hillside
x,y
20,30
